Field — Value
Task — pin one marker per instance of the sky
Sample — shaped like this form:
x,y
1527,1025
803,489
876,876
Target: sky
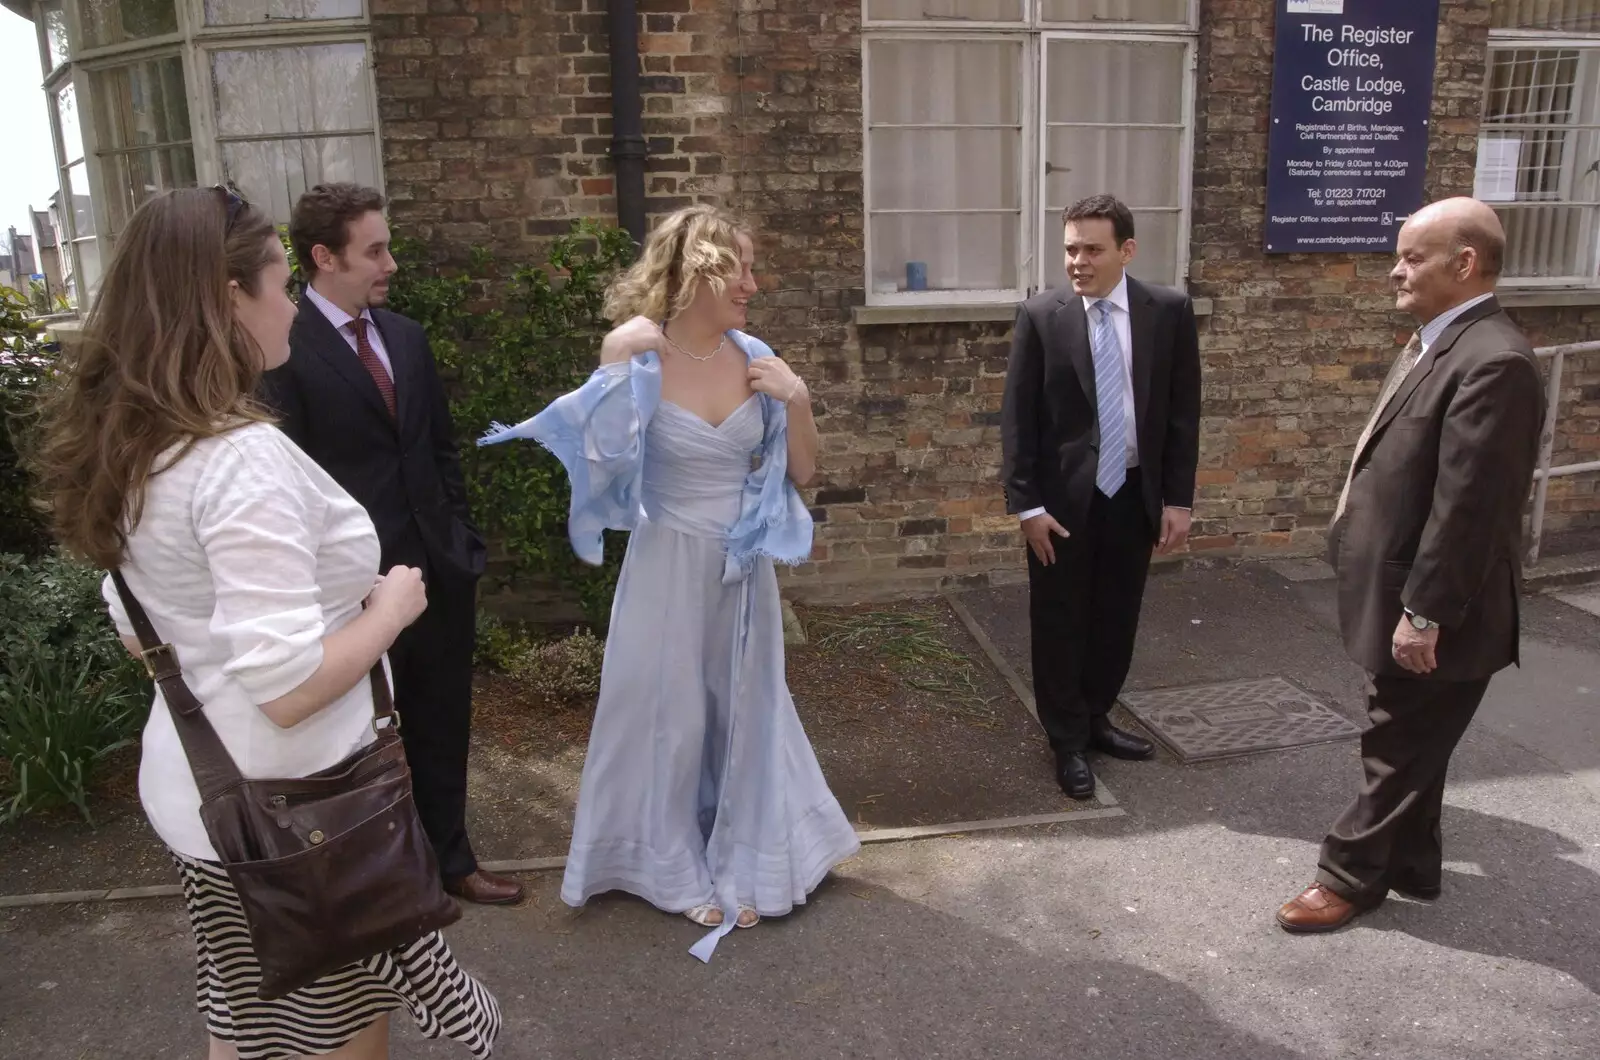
x,y
27,163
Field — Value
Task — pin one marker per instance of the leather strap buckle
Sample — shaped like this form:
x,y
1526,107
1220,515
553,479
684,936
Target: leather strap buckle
x,y
393,726
153,659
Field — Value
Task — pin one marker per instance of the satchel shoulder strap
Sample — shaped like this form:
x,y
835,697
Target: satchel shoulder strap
x,y
214,768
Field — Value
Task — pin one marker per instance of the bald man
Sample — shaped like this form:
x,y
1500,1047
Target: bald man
x,y
1425,539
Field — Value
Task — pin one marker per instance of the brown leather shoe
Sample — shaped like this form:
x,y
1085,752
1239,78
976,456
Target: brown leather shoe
x,y
485,888
1317,909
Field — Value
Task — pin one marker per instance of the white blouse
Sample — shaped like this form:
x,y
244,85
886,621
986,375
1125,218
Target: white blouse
x,y
246,556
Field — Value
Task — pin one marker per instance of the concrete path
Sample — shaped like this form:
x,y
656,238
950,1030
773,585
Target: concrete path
x,y
1142,937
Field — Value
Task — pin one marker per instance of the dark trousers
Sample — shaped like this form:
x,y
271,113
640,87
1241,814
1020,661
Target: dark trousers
x,y
1084,613
1390,834
432,664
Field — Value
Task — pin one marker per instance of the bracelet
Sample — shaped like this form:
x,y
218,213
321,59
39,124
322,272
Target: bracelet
x,y
793,390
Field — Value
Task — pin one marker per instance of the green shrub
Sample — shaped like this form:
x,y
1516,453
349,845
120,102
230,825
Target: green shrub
x,y
508,344
25,365
498,646
70,693
58,718
564,669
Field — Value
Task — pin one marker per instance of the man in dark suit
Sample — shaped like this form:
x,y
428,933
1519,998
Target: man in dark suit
x,y
361,395
1425,539
1101,434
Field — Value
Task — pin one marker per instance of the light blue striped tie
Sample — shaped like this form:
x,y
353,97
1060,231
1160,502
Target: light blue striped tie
x,y
1109,379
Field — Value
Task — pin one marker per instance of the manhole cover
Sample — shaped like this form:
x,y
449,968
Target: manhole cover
x,y
1237,718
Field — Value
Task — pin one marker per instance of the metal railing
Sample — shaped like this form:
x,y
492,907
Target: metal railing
x,y
1557,355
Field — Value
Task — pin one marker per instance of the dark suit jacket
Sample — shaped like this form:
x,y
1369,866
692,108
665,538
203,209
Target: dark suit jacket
x,y
405,470
1048,421
1434,517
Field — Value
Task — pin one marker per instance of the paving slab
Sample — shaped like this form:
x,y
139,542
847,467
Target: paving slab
x,y
1587,599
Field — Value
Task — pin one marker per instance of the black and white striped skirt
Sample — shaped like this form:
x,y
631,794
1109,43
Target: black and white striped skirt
x,y
422,977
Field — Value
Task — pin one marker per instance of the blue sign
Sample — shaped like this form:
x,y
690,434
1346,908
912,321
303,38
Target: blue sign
x,y
1352,84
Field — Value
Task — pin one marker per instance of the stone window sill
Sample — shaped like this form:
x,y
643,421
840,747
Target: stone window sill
x,y
1004,312
1546,298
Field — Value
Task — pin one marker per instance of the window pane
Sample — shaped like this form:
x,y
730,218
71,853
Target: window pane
x,y
105,22
946,82
1550,242
246,12
71,130
141,104
946,169
953,10
1570,16
272,174
1115,82
1166,12
88,254
1156,261
132,178
316,88
1138,166
55,35
960,252
82,208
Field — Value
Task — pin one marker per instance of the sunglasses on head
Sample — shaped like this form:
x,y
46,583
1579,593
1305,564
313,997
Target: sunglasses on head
x,y
232,201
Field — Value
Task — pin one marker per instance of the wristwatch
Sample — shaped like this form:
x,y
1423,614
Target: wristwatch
x,y
1418,622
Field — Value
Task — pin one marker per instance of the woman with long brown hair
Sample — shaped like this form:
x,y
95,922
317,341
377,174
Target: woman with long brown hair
x,y
259,571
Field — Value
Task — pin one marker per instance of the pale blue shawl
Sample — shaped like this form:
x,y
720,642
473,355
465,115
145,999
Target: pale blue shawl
x,y
598,432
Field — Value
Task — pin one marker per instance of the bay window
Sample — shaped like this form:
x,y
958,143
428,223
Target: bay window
x,y
271,96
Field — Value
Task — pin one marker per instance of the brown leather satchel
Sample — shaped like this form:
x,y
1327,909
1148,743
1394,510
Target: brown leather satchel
x,y
329,868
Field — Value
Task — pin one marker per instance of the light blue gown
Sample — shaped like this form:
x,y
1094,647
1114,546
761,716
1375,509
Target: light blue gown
x,y
700,784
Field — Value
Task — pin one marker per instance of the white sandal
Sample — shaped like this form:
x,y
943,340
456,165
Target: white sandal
x,y
703,914
755,917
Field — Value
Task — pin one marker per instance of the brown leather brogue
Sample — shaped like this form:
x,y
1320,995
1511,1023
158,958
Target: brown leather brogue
x,y
1317,909
484,888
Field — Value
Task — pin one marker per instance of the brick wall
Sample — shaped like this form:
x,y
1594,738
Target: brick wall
x,y
497,125
497,114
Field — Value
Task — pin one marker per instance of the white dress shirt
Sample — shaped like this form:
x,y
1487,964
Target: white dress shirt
x,y
1435,327
1122,325
341,323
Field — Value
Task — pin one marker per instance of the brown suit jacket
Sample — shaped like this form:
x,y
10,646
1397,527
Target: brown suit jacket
x,y
1434,517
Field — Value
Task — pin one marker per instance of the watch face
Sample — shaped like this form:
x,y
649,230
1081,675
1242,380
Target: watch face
x,y
1419,622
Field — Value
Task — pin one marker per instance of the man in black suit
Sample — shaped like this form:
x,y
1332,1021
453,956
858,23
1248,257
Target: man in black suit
x,y
1101,435
361,395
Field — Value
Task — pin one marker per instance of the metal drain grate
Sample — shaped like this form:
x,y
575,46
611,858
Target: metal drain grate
x,y
1237,718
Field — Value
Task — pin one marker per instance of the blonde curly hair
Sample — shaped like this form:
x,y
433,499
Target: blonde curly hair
x,y
692,244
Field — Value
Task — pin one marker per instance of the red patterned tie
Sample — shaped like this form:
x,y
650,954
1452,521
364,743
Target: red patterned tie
x,y
370,361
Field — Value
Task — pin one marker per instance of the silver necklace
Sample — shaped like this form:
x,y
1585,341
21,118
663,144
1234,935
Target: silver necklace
x,y
694,356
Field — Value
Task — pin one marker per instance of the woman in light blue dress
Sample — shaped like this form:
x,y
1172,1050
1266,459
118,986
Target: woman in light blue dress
x,y
700,792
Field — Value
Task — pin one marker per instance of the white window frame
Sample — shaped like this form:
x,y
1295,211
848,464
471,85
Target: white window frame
x,y
1034,242
195,42
1049,242
1027,101
1544,39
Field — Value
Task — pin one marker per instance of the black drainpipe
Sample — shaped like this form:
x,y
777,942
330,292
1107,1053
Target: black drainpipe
x,y
627,117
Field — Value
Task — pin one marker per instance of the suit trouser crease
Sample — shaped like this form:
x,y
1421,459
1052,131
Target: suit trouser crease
x,y
1390,833
432,663
1084,614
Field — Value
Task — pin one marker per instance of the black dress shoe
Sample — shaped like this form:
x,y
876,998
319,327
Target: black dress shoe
x,y
1074,775
1108,739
